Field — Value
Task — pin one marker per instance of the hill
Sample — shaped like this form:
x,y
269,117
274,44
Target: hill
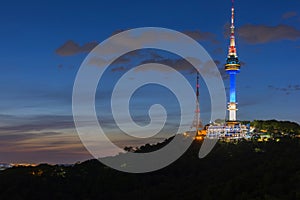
x,y
247,170
274,126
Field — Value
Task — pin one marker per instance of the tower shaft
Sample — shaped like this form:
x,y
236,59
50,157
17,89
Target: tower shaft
x,y
232,88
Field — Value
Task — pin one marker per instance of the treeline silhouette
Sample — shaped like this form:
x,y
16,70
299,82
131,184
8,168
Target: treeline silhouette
x,y
274,126
247,170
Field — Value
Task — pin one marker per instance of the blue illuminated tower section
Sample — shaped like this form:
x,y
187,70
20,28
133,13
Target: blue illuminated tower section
x,y
232,67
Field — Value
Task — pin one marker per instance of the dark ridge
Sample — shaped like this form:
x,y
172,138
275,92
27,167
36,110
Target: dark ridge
x,y
247,170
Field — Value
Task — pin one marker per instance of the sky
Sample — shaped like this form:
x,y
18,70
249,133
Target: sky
x,y
43,44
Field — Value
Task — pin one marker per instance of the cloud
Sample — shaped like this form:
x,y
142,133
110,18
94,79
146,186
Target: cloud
x,y
118,69
17,137
71,48
47,138
288,89
259,34
178,64
37,123
183,66
289,14
40,138
126,59
118,31
146,56
201,36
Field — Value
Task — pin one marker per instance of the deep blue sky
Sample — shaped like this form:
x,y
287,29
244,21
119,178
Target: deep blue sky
x,y
44,42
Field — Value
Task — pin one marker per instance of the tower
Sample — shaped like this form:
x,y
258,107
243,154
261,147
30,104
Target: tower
x,y
232,68
197,122
232,130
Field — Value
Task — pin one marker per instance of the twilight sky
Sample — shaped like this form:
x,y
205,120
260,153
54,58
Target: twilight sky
x,y
43,44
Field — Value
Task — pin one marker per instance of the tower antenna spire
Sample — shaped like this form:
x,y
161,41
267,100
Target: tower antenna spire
x,y
232,48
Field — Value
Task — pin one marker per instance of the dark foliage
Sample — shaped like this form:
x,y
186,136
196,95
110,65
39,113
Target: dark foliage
x,y
247,170
274,126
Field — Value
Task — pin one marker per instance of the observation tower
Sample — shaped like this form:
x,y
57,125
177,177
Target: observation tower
x,y
232,68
